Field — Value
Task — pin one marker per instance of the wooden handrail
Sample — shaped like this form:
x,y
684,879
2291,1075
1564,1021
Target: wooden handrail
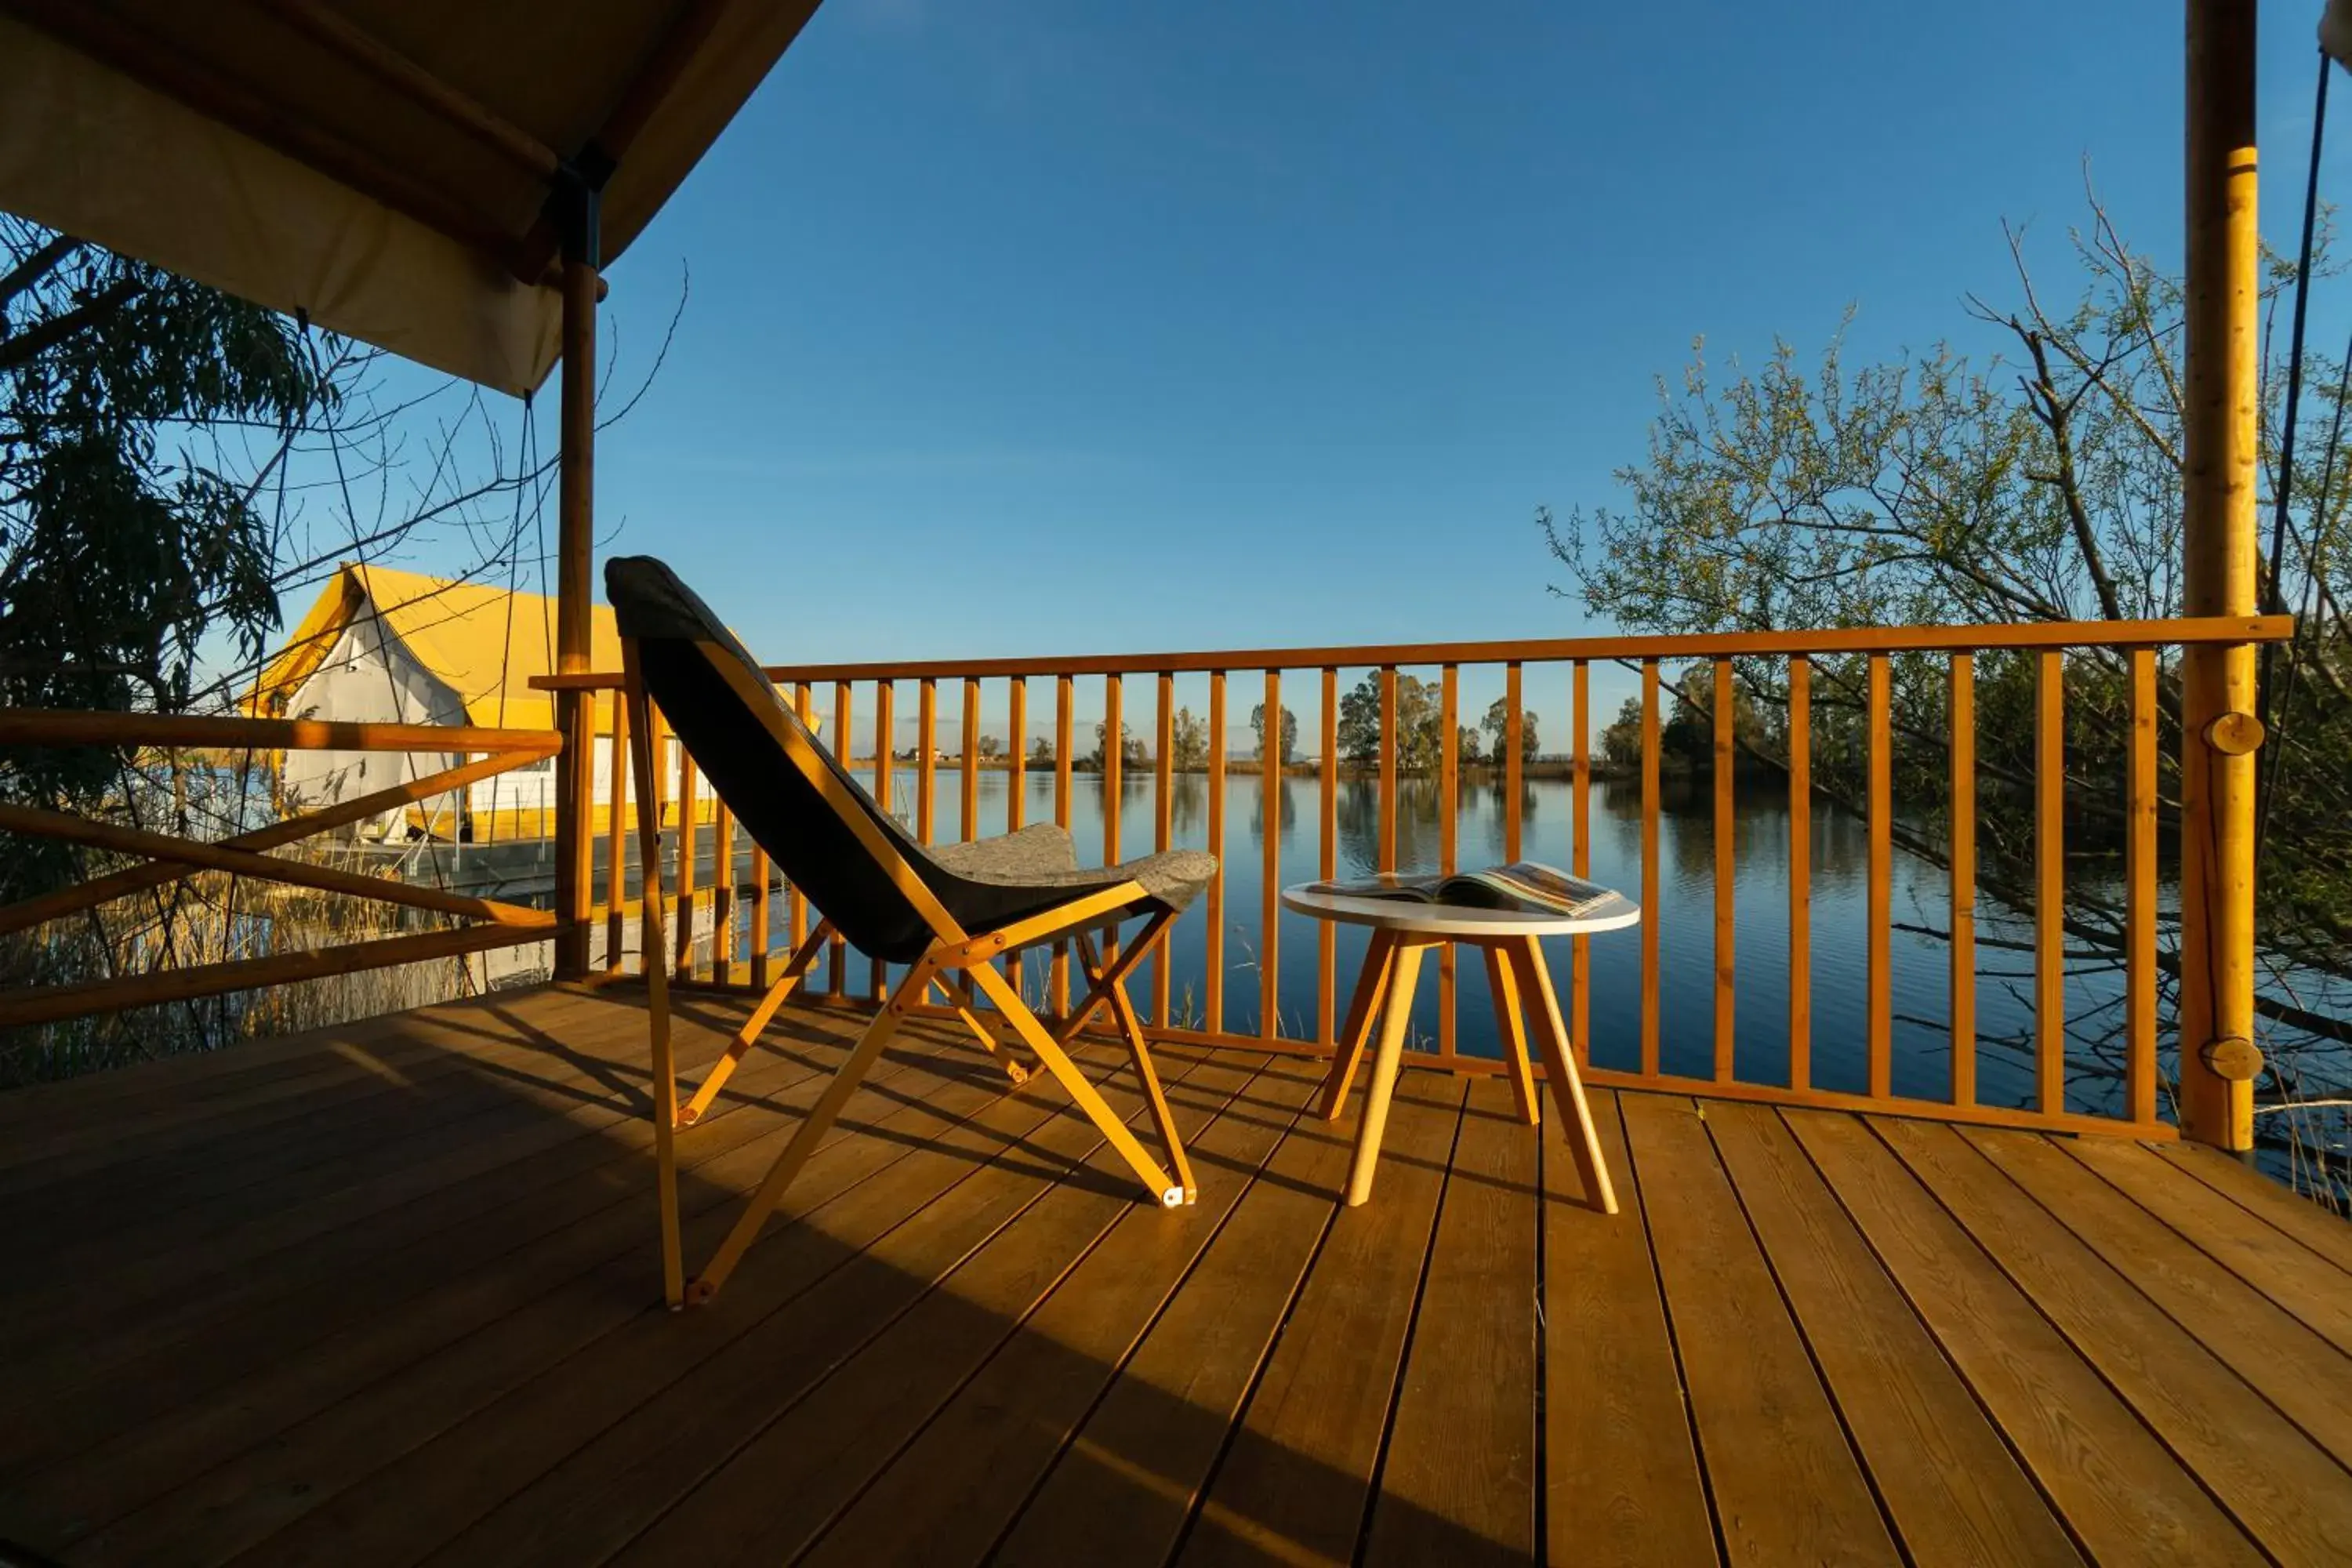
x,y
2192,631
73,727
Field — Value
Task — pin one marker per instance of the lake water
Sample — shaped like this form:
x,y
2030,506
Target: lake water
x,y
1684,918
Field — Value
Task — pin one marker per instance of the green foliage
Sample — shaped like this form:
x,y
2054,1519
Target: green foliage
x,y
1190,741
1496,724
1130,750
1287,740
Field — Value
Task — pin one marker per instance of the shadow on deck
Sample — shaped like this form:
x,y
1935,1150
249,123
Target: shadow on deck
x,y
388,1294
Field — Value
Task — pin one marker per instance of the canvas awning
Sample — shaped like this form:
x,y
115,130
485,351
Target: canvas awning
x,y
384,166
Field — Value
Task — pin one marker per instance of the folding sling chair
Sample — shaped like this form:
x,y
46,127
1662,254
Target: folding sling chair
x,y
947,913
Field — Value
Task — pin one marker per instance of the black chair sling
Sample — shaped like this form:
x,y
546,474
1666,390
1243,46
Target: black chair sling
x,y
947,912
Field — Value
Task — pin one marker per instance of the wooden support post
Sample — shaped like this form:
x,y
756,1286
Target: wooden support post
x,y
2217,781
575,547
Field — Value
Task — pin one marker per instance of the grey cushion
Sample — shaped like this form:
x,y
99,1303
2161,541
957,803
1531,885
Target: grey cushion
x,y
1044,856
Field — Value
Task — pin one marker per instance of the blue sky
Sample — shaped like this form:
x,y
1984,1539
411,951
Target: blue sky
x,y
1027,326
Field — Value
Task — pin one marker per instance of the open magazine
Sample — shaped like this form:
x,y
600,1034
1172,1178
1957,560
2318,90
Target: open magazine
x,y
1522,885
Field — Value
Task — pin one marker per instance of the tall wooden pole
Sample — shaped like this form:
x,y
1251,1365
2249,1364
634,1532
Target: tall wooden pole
x,y
2217,764
576,546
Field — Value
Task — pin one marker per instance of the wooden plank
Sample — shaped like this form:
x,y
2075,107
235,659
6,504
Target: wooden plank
x,y
1579,949
496,1414
2050,881
2123,1495
1726,855
2308,1379
1458,1482
2323,1233
1125,1484
1653,913
954,1489
1513,763
1800,872
1269,930
1879,920
1786,1485
844,1428
2249,1242
1213,980
1295,1478
1963,872
2140,871
1390,743
503,1325
2287,1494
1621,1478
1955,1492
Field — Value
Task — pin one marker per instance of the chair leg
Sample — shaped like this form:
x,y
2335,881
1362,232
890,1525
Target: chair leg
x,y
961,998
1380,959
812,1132
1034,1034
1560,1066
650,940
724,1067
1140,1050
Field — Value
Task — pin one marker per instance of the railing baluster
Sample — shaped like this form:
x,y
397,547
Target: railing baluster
x,y
1878,940
970,761
1163,779
2140,927
1726,833
616,796
927,723
1016,781
688,840
838,950
1579,949
2049,881
885,697
1651,913
1269,974
1963,788
1328,812
1213,999
1513,726
1065,719
1800,872
795,905
763,937
1449,794
1388,767
722,892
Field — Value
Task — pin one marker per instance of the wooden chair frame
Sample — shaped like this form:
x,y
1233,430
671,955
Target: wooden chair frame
x,y
958,959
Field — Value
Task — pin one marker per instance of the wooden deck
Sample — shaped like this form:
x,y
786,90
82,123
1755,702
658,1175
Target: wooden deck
x,y
387,1295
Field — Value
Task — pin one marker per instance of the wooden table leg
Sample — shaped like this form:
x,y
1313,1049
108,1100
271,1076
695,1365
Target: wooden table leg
x,y
1508,1022
1404,974
1560,1066
1362,1009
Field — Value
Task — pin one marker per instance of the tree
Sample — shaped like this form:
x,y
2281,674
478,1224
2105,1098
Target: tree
x,y
1421,723
990,747
1191,741
1040,753
2044,487
1495,722
1288,739
1130,750
1621,739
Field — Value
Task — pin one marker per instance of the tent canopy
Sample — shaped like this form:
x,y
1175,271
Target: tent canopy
x,y
384,166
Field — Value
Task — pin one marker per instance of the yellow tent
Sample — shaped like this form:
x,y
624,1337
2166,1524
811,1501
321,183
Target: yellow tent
x,y
481,642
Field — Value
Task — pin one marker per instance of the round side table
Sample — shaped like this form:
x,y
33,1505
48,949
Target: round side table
x,y
1402,929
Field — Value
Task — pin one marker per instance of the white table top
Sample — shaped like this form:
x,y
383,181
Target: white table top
x,y
1614,914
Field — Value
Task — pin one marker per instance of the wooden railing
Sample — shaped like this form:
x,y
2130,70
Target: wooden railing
x,y
741,950
169,859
